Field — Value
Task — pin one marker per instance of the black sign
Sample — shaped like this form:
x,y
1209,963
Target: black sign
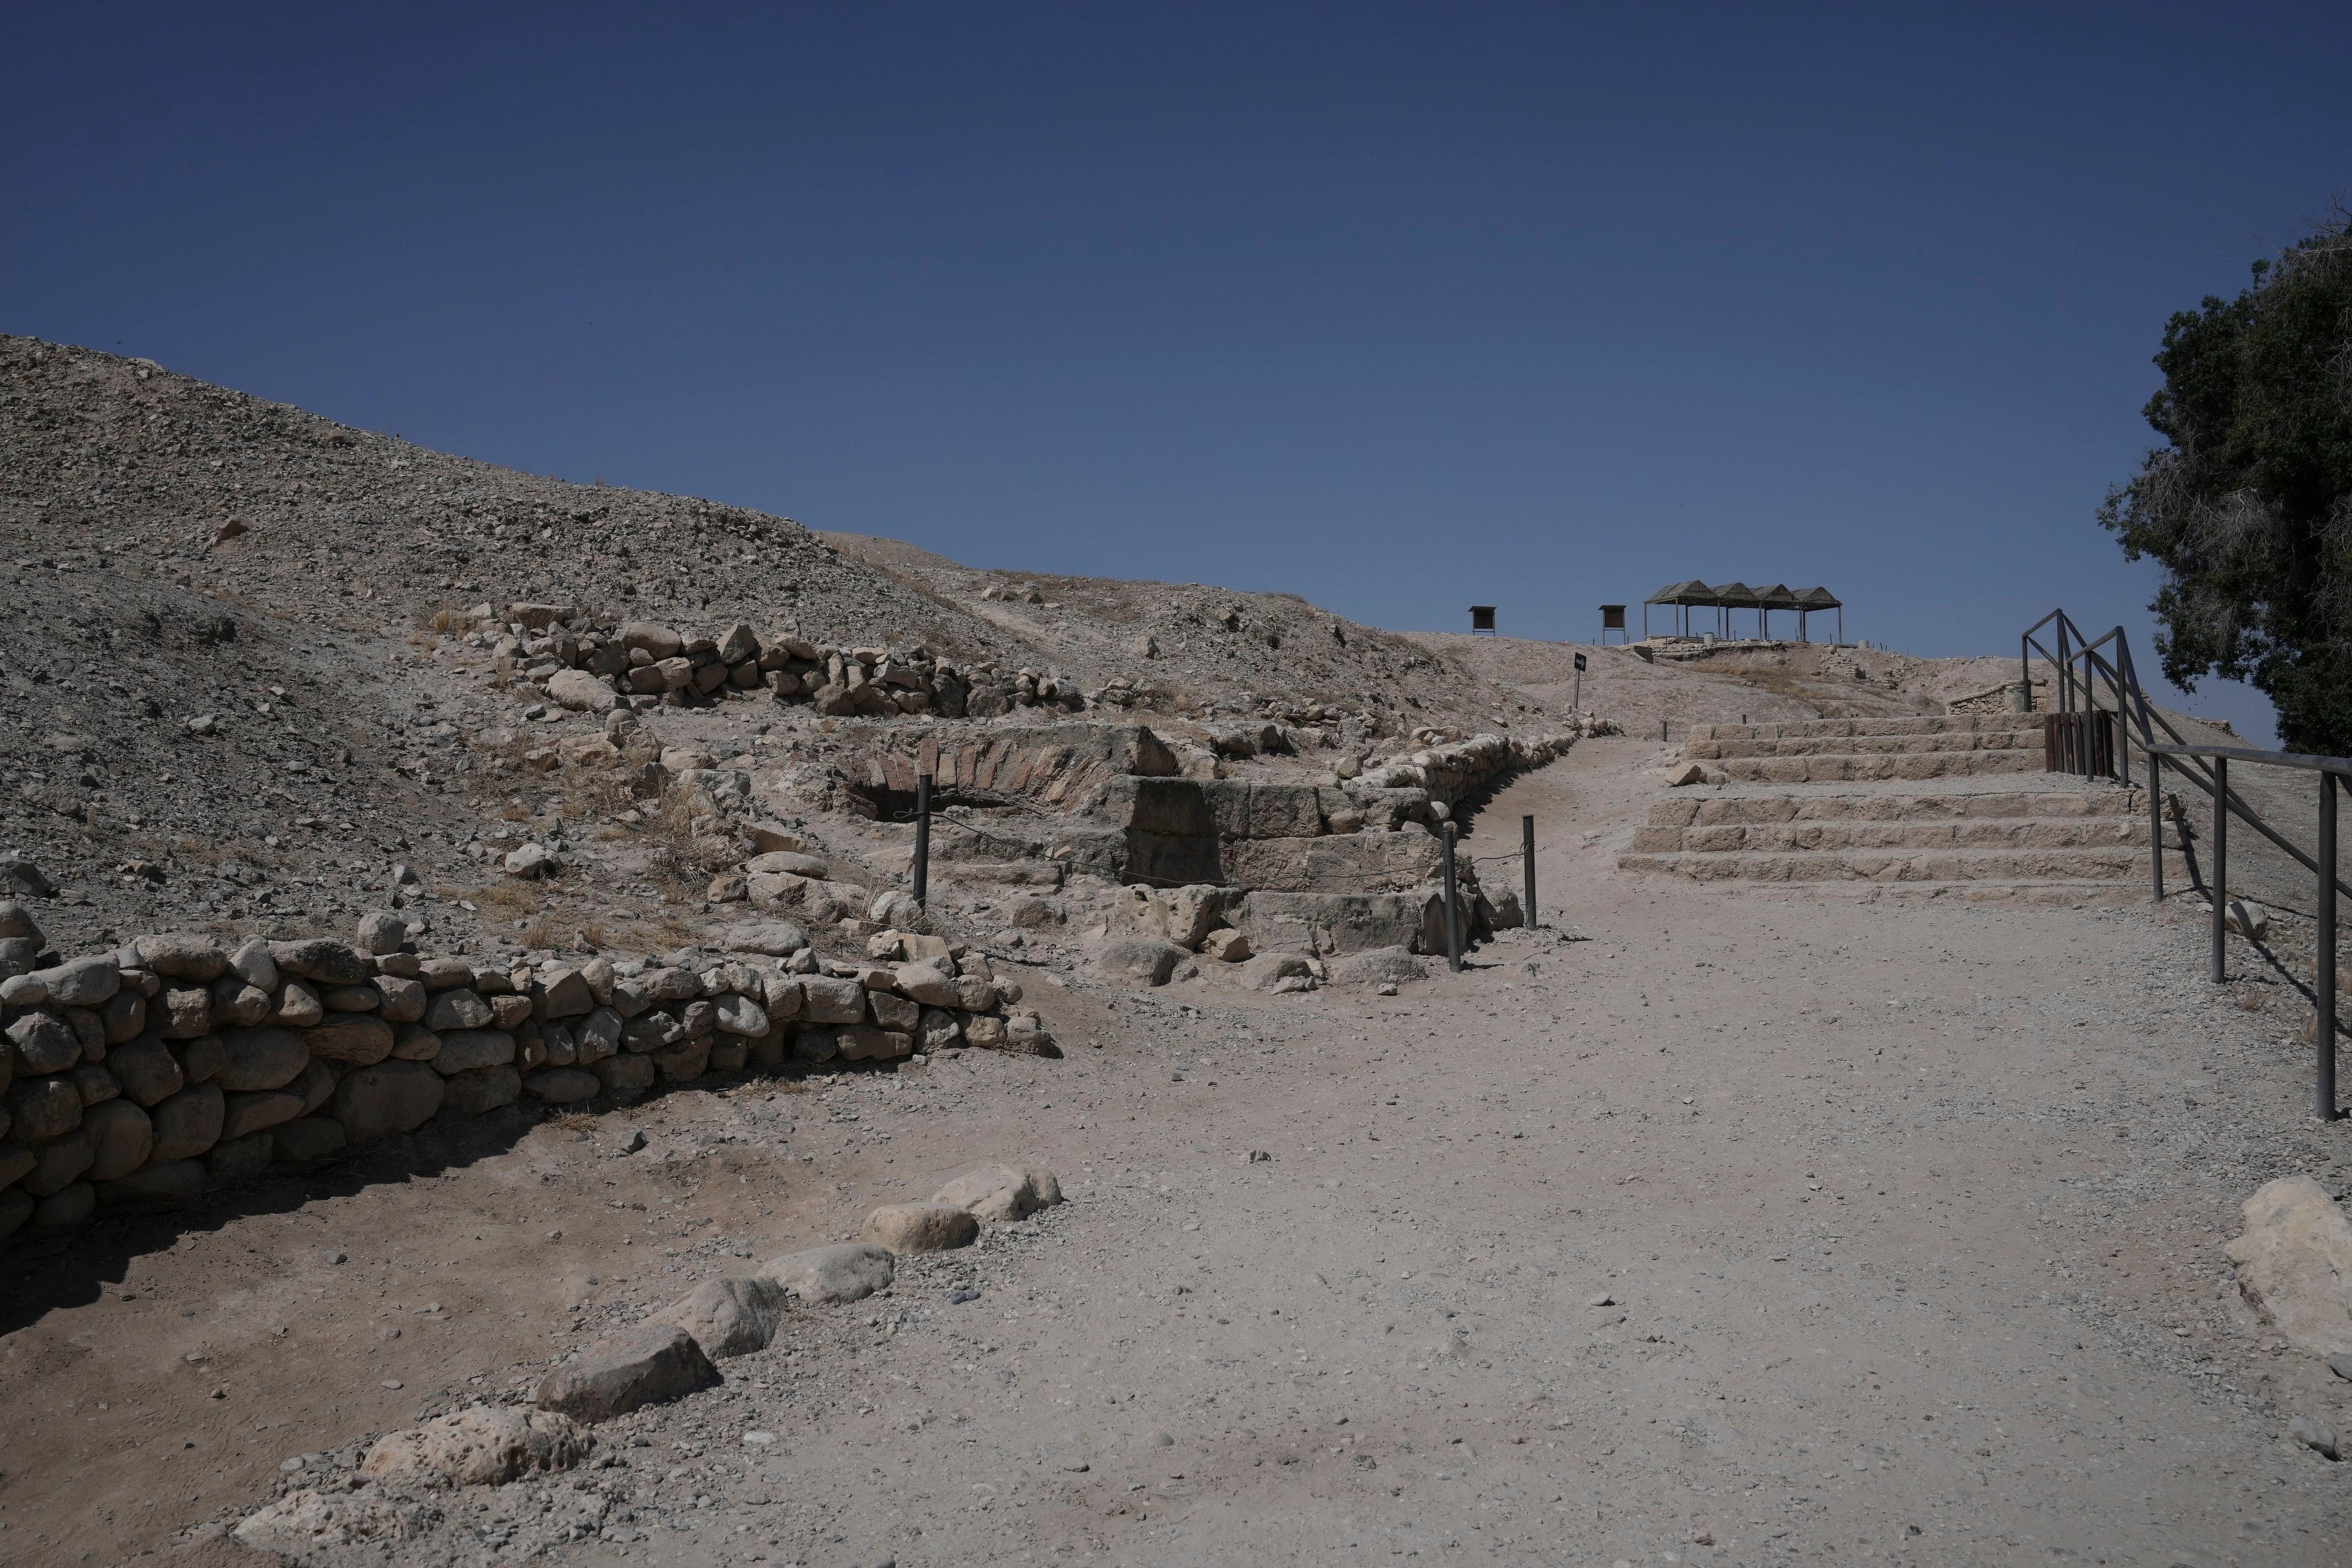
x,y
1579,661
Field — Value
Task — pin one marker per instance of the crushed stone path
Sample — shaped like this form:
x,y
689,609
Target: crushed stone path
x,y
1744,1229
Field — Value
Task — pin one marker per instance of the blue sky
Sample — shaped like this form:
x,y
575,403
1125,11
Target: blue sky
x,y
1402,308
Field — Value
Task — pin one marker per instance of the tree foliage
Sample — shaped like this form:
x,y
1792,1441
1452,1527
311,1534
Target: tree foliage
x,y
2249,509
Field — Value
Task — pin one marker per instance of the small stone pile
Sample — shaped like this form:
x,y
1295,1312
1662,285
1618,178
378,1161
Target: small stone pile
x,y
584,665
180,1062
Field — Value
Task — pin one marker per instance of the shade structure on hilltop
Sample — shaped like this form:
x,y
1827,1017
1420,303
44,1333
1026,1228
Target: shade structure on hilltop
x,y
1727,596
1730,596
1819,598
1680,596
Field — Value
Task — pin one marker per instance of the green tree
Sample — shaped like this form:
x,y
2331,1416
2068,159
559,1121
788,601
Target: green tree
x,y
2249,509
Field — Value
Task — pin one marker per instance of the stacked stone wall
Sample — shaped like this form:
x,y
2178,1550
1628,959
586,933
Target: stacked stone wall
x,y
182,1062
587,665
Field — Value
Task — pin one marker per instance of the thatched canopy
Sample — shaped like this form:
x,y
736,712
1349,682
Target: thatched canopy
x,y
1817,599
1693,592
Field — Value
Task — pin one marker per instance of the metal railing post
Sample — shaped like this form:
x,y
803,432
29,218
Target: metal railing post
x,y
2156,823
1527,861
2324,974
2221,865
1452,909
923,839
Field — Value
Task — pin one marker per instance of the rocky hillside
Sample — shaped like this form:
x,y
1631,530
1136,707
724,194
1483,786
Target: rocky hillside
x,y
228,696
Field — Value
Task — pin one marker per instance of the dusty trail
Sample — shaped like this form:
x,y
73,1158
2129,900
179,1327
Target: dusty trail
x,y
1907,1215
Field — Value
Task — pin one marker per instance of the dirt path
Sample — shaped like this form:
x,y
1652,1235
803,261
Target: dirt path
x,y
1756,1227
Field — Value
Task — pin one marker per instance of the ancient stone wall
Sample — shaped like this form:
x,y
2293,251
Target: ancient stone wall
x,y
588,665
182,1062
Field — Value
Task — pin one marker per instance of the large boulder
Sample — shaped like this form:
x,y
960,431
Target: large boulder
x,y
1142,960
776,939
182,955
581,691
2294,1264
921,1227
482,1091
637,1367
830,1275
355,1039
81,982
188,1124
44,1043
1002,1192
247,1113
487,1445
927,983
462,1008
122,1138
389,1096
662,642
58,1164
320,959
825,1000
733,1316
262,1059
146,1069
462,1050
42,1108
740,1016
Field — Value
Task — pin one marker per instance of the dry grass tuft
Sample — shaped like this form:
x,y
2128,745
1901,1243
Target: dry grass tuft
x,y
513,899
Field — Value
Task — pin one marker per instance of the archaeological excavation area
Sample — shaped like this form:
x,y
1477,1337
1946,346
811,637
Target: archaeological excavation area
x,y
547,1023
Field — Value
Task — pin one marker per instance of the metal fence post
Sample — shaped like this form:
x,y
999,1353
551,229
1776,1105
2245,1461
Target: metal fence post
x,y
2221,863
1527,861
923,839
2324,975
1452,909
2155,822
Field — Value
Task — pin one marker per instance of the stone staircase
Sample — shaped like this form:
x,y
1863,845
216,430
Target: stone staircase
x,y
1958,803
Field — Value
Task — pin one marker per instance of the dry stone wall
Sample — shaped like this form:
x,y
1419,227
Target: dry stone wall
x,y
181,1062
583,665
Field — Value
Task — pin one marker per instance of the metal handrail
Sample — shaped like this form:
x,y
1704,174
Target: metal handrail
x,y
2207,767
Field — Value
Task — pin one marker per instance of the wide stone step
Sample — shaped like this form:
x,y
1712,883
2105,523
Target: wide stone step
x,y
1920,725
1682,809
1849,769
1701,751
1965,833
2116,863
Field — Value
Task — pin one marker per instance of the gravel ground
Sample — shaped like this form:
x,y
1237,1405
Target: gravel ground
x,y
1907,1215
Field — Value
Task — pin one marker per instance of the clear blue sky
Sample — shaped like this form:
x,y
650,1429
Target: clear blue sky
x,y
1398,307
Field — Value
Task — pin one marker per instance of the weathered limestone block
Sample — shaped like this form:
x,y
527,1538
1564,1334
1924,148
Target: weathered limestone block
x,y
486,1446
832,1275
637,1367
2294,1264
728,1317
919,1227
1001,1193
